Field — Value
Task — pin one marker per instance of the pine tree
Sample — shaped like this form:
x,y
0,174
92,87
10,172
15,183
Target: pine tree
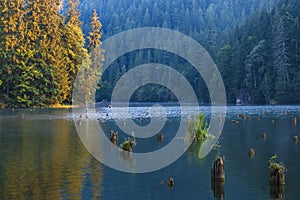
x,y
281,55
254,66
11,49
90,71
72,13
95,34
281,61
45,30
94,44
73,40
227,71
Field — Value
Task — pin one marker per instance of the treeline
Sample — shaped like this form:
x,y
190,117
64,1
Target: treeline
x,y
43,43
41,51
207,21
210,22
261,62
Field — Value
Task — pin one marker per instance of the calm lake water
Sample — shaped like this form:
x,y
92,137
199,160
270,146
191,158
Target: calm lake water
x,y
42,157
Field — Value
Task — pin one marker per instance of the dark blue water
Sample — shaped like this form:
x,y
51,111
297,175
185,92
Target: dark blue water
x,y
42,157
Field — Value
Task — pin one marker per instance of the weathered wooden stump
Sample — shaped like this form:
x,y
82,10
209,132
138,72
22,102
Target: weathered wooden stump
x,y
294,120
218,170
251,153
295,139
234,121
128,145
113,137
218,189
277,192
171,182
277,175
159,137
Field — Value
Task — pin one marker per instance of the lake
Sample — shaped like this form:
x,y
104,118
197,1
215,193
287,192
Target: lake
x,y
42,157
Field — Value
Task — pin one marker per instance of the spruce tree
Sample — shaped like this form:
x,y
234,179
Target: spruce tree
x,y
75,53
45,30
12,67
281,61
90,71
95,34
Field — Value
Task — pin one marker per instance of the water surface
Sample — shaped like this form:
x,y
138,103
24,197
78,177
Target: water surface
x,y
42,157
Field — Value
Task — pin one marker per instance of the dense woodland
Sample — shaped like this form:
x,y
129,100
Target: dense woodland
x,y
41,51
254,43
210,22
261,61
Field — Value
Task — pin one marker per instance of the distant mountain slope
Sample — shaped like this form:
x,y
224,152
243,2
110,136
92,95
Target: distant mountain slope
x,y
210,22
207,21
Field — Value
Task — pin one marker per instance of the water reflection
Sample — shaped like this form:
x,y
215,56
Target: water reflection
x,y
218,189
277,192
45,160
41,157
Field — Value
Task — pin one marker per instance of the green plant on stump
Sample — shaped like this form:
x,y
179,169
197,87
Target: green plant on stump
x,y
198,127
274,164
277,171
198,132
128,143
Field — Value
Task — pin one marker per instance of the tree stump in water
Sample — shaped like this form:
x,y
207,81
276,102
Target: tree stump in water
x,y
171,182
128,144
218,170
160,137
251,153
295,139
113,137
294,120
277,176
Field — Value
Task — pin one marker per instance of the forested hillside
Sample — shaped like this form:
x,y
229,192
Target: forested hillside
x,y
43,44
210,22
261,62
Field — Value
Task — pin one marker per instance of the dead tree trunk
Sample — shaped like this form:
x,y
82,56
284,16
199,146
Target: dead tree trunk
x,y
218,170
277,176
113,137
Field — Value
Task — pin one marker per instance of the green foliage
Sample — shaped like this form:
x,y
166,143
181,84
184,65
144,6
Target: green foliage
x,y
95,34
198,127
274,164
41,52
262,57
128,144
92,68
210,22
